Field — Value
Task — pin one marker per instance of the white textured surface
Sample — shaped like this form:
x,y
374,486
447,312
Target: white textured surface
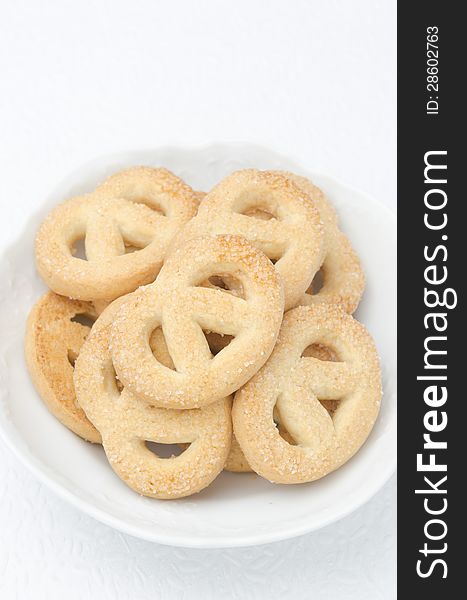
x,y
83,79
50,551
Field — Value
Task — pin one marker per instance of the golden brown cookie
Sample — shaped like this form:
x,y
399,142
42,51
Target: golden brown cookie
x,y
184,308
275,215
53,342
294,384
127,424
127,224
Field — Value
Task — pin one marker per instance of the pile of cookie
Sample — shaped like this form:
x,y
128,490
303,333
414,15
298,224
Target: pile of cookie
x,y
218,322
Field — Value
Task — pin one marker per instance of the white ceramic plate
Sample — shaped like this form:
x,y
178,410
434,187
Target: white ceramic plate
x,y
237,509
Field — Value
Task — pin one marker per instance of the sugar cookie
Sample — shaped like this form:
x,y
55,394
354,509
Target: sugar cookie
x,y
184,309
126,424
274,214
294,384
127,224
53,342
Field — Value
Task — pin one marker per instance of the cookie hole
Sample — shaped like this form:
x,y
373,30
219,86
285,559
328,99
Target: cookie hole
x,y
285,435
159,348
317,283
217,341
78,249
217,281
166,450
260,213
331,406
84,319
225,283
321,352
72,356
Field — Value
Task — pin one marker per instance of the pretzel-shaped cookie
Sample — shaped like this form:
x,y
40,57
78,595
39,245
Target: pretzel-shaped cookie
x,y
275,215
236,461
126,424
138,209
294,384
53,341
183,309
343,277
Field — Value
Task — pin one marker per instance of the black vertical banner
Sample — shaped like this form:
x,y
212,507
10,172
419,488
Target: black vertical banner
x,y
432,261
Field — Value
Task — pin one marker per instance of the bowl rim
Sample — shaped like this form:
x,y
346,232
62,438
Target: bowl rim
x,y
8,431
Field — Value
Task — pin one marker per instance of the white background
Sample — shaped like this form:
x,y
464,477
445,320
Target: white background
x,y
314,79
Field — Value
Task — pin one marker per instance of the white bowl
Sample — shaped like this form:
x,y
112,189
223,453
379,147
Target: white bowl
x,y
237,509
